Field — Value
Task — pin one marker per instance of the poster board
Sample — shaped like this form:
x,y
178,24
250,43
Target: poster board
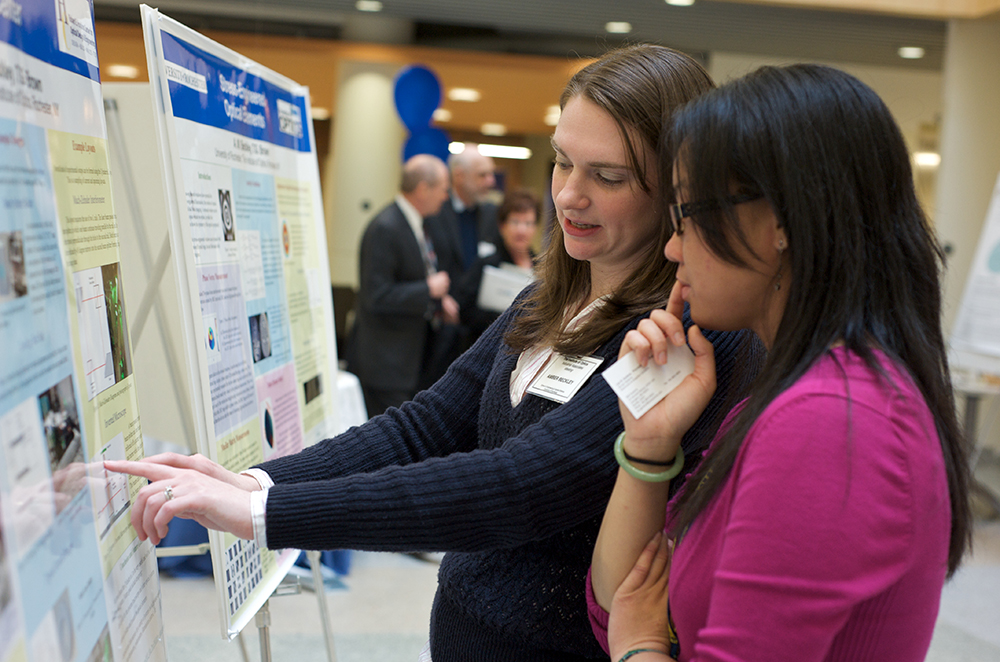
x,y
975,341
75,582
158,349
249,250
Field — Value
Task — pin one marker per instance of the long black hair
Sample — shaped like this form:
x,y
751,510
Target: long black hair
x,y
823,149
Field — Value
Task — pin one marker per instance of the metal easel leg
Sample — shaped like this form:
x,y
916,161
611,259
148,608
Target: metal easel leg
x,y
243,646
264,626
320,589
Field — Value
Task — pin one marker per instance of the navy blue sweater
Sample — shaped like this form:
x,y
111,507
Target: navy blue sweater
x,y
515,494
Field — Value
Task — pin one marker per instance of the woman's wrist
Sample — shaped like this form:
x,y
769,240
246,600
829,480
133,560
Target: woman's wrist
x,y
664,470
658,451
643,654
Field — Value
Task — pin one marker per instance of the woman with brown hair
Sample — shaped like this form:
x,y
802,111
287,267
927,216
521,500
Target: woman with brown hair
x,y
517,220
503,463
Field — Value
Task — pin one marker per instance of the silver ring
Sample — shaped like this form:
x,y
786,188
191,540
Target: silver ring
x,y
168,492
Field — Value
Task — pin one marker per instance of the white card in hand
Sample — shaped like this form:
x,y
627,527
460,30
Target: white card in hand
x,y
642,387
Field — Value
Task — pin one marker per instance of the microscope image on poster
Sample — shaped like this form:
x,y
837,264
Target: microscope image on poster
x,y
226,206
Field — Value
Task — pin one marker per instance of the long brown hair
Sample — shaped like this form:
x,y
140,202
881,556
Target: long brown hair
x,y
640,87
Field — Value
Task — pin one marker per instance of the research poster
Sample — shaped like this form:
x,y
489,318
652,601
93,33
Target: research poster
x,y
75,582
977,328
249,245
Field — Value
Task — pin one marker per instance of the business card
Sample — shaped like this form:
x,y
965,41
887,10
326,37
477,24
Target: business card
x,y
641,387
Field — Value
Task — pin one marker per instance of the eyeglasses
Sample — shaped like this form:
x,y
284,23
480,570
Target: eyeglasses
x,y
678,212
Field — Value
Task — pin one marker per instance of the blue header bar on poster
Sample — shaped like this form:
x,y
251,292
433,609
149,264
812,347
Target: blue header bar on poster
x,y
208,90
34,28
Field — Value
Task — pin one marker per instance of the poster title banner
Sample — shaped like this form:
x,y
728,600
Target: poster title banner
x,y
65,39
209,90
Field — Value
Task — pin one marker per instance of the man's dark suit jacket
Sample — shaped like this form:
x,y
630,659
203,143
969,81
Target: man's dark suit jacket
x,y
486,224
394,307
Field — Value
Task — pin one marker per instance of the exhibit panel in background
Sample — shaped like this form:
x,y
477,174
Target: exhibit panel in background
x,y
975,342
75,581
249,251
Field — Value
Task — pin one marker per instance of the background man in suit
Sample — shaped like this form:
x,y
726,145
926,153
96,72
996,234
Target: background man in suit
x,y
403,297
470,213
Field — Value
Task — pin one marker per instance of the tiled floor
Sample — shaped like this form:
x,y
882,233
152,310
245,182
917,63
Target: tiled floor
x,y
383,613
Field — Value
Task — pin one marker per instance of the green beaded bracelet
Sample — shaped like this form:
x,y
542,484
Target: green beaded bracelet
x,y
647,476
636,651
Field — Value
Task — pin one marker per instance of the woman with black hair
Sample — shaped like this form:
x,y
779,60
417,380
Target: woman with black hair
x,y
832,505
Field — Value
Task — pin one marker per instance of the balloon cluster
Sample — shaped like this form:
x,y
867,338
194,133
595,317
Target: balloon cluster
x,y
417,94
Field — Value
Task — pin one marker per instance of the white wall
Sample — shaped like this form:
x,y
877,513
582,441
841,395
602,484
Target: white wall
x,y
366,151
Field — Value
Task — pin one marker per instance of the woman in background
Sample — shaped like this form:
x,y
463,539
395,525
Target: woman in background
x,y
484,465
517,219
833,504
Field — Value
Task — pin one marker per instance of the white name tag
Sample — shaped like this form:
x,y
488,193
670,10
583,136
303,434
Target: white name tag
x,y
563,377
642,387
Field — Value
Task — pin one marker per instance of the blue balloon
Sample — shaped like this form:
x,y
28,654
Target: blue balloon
x,y
417,94
429,140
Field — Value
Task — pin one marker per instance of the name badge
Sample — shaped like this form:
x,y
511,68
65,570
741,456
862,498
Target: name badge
x,y
563,376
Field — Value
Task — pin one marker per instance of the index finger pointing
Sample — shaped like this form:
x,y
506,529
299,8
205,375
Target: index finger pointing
x,y
147,470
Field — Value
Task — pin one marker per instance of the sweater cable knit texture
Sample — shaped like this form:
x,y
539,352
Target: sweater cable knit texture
x,y
514,494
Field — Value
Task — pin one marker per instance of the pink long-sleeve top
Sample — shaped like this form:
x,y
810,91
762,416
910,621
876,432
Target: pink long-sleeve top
x,y
829,540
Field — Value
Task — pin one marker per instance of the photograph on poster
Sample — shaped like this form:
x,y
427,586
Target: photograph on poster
x,y
61,424
13,280
121,354
226,205
313,388
260,337
61,428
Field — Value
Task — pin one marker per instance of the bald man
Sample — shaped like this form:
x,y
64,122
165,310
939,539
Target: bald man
x,y
470,213
403,296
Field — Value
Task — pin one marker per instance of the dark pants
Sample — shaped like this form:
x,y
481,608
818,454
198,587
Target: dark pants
x,y
458,637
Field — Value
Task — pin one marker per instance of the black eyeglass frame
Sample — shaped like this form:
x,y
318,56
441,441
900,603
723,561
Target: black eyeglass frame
x,y
680,211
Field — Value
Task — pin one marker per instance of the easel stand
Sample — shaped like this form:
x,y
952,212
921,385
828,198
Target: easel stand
x,y
972,400
263,618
